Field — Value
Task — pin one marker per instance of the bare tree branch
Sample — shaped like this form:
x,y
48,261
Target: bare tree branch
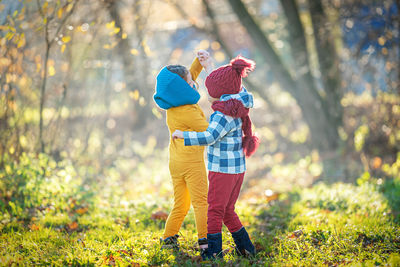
x,y
46,60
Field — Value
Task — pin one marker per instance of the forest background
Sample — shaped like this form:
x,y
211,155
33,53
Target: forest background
x,y
84,178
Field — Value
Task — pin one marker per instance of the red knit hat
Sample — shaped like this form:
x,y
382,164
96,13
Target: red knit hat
x,y
228,79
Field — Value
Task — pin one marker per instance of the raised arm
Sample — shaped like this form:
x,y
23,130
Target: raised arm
x,y
195,68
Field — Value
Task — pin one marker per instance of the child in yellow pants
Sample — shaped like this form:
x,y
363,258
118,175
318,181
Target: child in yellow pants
x,y
176,93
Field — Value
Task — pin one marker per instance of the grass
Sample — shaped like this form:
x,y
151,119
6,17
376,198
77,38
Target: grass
x,y
326,225
341,224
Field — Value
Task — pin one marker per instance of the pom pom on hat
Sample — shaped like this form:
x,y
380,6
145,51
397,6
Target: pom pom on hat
x,y
242,65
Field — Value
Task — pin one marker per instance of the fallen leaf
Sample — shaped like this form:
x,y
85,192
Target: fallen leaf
x,y
259,246
291,236
110,260
272,197
72,226
376,163
295,234
81,211
34,227
159,215
326,211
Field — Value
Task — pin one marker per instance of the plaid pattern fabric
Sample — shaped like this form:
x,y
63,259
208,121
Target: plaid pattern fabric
x,y
224,140
243,95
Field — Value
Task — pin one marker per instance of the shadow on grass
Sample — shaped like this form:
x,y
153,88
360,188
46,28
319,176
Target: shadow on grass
x,y
271,222
266,221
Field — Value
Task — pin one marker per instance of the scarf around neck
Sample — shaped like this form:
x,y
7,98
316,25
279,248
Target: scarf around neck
x,y
235,108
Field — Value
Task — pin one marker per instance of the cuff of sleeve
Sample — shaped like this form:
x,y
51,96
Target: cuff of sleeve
x,y
186,138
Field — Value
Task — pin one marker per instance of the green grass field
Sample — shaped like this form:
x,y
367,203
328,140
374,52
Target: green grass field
x,y
325,225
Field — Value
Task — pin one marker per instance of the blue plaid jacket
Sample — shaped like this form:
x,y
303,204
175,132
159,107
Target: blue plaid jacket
x,y
224,138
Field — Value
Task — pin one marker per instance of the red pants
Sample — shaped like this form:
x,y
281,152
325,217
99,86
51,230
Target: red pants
x,y
223,192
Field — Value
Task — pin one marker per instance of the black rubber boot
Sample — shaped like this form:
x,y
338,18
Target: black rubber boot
x,y
203,244
244,246
214,246
170,242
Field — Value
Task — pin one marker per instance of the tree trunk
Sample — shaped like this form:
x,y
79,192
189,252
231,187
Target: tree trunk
x,y
324,135
214,29
49,42
123,45
328,61
298,46
142,112
42,97
398,48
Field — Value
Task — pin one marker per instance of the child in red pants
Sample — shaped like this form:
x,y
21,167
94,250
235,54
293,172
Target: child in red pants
x,y
229,138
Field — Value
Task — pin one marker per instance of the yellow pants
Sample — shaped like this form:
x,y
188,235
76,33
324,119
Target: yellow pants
x,y
190,184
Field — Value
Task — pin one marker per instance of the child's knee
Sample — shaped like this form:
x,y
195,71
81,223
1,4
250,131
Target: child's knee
x,y
181,209
217,210
200,202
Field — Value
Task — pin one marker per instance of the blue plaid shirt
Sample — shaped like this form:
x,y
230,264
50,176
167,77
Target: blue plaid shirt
x,y
224,138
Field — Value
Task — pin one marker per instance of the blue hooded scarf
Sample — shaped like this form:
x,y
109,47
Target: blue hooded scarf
x,y
173,91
